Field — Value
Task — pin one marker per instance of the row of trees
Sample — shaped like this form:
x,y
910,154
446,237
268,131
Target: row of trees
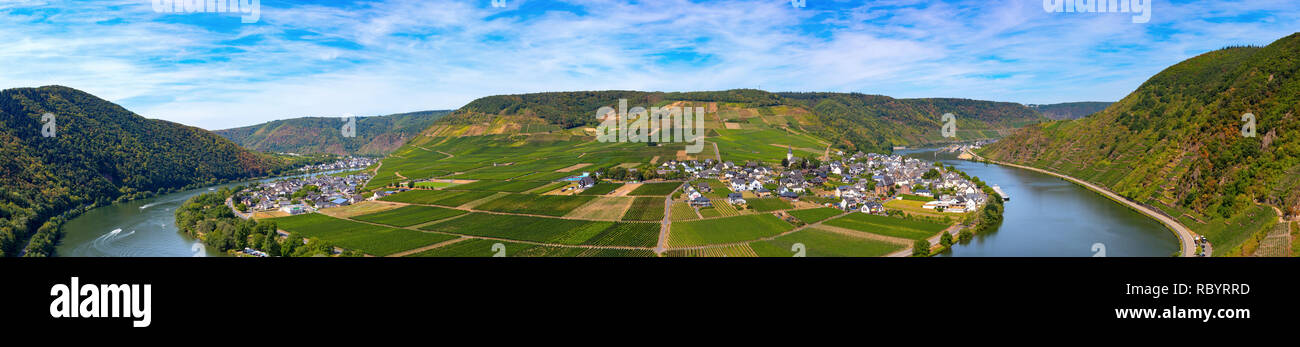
x,y
207,218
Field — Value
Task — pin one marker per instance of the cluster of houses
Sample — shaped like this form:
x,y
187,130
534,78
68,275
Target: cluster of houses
x,y
279,195
867,180
343,164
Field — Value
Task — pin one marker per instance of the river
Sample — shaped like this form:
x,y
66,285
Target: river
x,y
139,228
1050,217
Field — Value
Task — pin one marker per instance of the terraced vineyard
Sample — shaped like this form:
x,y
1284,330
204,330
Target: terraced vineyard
x,y
645,209
726,230
371,239
409,215
551,230
888,226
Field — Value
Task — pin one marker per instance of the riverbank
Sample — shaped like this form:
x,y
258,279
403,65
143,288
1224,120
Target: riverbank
x,y
1185,235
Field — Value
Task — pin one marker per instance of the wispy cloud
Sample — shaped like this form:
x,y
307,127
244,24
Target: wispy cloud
x,y
367,57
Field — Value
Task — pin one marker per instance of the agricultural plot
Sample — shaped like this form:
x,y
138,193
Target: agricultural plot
x,y
659,189
450,198
821,243
601,188
370,239
740,250
724,209
550,230
815,215
409,215
682,212
434,185
726,230
602,208
768,204
502,186
916,207
710,212
758,144
547,205
888,226
645,209
485,248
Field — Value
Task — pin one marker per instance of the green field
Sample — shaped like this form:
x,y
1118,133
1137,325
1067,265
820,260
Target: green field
x,y
683,212
551,230
409,215
915,198
433,185
645,209
502,186
820,243
888,226
726,230
601,188
371,239
815,215
768,204
663,188
450,198
547,205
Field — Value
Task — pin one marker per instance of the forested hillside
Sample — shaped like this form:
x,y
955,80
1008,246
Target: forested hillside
x,y
851,121
1177,143
374,135
100,152
1070,110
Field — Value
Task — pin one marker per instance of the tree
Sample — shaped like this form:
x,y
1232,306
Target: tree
x,y
946,239
921,248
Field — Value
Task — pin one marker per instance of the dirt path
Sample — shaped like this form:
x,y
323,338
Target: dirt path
x,y
425,248
1185,235
934,240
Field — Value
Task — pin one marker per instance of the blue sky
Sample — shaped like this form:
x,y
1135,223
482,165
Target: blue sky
x,y
327,58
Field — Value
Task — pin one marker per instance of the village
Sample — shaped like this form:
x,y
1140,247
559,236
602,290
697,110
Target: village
x,y
861,182
300,195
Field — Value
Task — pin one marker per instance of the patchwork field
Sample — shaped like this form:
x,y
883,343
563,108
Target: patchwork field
x,y
409,215
601,188
726,230
602,208
371,239
768,204
682,212
551,230
821,243
645,209
548,205
451,198
660,189
815,215
888,226
502,186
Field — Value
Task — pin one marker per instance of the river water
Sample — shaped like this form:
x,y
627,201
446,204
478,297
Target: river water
x,y
139,228
1050,217
1046,217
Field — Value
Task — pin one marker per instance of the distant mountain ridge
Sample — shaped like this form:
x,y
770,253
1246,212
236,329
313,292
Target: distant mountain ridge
x,y
377,135
1180,143
851,121
1070,110
99,152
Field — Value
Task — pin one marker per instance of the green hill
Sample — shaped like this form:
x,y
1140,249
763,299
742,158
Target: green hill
x,y
100,152
375,135
1176,143
1070,110
849,121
